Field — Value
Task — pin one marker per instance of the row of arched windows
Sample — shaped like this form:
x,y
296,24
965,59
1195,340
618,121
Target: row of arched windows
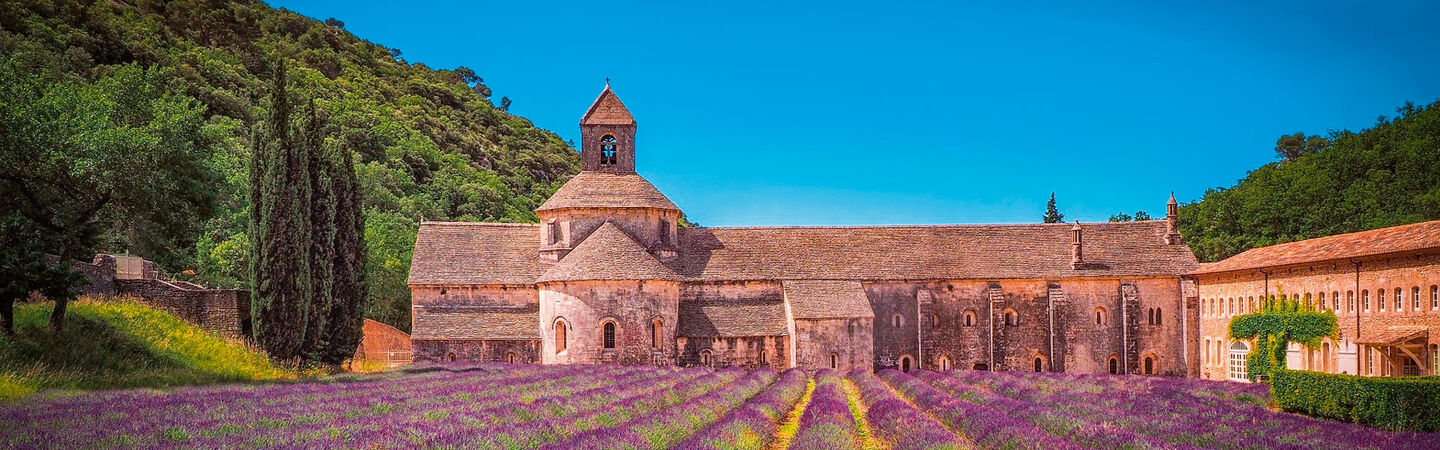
x,y
1386,299
608,334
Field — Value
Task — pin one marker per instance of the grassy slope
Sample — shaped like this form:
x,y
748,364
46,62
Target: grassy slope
x,y
118,344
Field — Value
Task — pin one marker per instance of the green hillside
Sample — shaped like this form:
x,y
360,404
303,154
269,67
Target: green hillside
x,y
1383,176
428,143
118,344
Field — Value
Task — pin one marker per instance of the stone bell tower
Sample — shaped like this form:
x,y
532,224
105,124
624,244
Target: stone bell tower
x,y
607,136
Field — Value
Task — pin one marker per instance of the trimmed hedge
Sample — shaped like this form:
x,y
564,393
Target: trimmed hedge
x,y
1401,403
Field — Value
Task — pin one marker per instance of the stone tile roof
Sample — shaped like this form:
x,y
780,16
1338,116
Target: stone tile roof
x,y
1392,335
498,254
827,299
928,252
729,318
608,254
476,253
607,190
457,322
607,110
1404,238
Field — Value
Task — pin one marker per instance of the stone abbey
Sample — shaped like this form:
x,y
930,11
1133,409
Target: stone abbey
x,y
609,276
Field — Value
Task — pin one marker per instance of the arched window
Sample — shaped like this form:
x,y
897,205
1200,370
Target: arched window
x,y
1149,365
897,320
561,342
905,363
450,356
1399,302
1252,304
1365,299
705,357
1434,297
835,361
1380,297
1150,315
1434,359
1206,357
1335,301
1159,318
1238,352
609,147
1039,365
1011,317
1114,364
1320,302
656,330
1415,298
1100,317
1349,301
969,318
510,357
944,363
763,359
609,335
934,321
1325,357
664,231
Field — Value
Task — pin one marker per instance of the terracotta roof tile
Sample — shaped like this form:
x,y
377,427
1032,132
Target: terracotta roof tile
x,y
608,254
607,110
465,323
826,299
728,318
476,253
1393,335
607,190
928,252
1419,236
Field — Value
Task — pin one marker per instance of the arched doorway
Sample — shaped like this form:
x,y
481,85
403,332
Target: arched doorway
x,y
1114,365
1039,364
944,363
1149,365
905,362
1237,370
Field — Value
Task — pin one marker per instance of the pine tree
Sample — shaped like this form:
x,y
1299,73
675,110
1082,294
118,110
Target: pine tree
x,y
1052,214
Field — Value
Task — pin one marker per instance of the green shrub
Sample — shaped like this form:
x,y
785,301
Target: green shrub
x,y
1401,403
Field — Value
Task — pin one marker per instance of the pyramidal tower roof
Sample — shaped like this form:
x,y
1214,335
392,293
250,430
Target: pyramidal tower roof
x,y
607,110
608,254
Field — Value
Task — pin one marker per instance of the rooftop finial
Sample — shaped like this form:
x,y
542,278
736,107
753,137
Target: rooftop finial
x,y
1172,197
607,82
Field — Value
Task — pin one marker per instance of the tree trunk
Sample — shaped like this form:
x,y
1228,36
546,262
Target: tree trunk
x,y
7,315
57,317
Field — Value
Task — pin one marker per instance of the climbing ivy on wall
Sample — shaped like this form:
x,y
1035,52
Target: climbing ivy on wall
x,y
1277,324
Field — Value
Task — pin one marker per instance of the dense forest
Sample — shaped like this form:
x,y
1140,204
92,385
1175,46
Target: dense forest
x,y
145,109
1347,181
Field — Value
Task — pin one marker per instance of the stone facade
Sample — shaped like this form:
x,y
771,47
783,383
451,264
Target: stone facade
x,y
1355,276
223,311
608,276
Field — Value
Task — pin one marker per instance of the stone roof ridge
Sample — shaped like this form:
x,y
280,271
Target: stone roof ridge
x,y
609,253
591,189
935,225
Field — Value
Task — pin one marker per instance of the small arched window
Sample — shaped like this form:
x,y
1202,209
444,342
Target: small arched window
x,y
969,318
897,320
1380,297
656,329
1325,357
762,358
1415,298
609,147
1434,297
944,363
1159,318
450,356
1365,299
1320,302
1011,317
510,357
1149,365
835,361
608,337
1399,301
705,357
1101,318
1335,301
1350,301
1150,315
1039,365
1114,364
561,342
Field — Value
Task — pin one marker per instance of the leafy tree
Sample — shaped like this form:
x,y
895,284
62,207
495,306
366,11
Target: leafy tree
x,y
505,104
1384,176
24,269
1296,145
333,22
1052,214
1122,217
120,159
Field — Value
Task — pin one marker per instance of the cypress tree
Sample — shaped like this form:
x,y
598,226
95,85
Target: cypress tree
x,y
321,235
280,200
343,330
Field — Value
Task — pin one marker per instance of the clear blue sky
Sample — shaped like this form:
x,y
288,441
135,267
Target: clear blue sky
x,y
776,113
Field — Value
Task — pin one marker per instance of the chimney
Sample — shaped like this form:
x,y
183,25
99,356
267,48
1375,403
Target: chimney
x,y
1077,261
1172,227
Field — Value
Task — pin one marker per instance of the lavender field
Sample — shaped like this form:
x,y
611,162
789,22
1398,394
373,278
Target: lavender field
x,y
531,406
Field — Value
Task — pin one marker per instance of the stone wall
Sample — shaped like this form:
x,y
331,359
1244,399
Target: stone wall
x,y
223,311
384,343
734,351
523,351
585,306
851,341
1223,296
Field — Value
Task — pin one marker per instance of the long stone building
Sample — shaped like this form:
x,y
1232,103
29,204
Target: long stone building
x,y
610,276
1381,284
